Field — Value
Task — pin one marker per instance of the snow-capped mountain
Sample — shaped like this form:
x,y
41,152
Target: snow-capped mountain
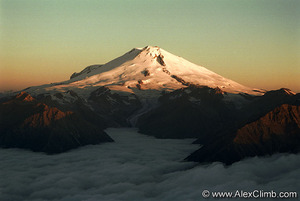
x,y
163,95
141,70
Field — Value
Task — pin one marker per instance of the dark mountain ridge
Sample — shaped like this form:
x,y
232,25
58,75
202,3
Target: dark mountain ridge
x,y
276,132
28,123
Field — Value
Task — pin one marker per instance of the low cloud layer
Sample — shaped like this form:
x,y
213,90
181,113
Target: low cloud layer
x,y
136,167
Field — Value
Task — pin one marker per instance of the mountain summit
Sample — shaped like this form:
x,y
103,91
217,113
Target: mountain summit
x,y
148,68
161,94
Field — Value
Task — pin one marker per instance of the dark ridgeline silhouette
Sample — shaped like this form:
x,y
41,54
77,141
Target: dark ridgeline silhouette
x,y
28,123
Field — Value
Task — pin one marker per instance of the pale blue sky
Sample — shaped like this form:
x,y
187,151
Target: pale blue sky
x,y
254,42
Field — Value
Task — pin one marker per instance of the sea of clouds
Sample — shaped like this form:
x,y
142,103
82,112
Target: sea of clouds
x,y
136,168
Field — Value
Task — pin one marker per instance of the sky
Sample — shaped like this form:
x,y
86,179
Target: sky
x,y
255,43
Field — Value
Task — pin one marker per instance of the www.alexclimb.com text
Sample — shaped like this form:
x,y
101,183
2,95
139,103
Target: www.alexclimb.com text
x,y
256,194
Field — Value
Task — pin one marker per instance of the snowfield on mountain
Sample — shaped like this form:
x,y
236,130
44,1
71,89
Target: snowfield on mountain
x,y
142,71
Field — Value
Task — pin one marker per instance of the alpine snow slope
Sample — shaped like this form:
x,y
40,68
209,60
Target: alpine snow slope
x,y
164,96
148,68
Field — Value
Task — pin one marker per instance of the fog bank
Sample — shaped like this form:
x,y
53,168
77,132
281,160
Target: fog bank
x,y
136,167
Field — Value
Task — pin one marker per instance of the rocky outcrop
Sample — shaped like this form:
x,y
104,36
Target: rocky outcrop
x,y
113,107
276,132
71,101
30,124
87,70
283,121
263,125
160,60
190,112
146,72
260,105
179,79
